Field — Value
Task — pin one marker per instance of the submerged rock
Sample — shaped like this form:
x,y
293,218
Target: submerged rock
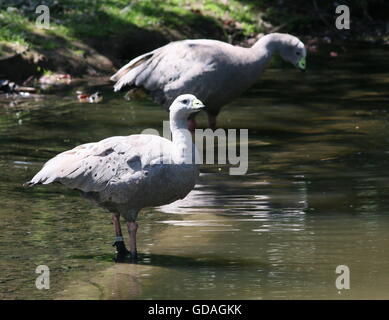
x,y
56,78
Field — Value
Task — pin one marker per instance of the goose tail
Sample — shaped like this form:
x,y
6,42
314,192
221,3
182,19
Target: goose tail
x,y
127,74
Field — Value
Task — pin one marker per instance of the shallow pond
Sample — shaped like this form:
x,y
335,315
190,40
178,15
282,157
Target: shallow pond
x,y
315,195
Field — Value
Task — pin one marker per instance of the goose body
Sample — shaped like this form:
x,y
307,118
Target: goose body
x,y
212,70
125,174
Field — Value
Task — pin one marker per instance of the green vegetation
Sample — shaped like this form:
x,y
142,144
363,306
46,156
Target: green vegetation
x,y
80,19
13,27
118,29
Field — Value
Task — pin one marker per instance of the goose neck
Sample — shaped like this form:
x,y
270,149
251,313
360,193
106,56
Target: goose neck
x,y
182,141
271,43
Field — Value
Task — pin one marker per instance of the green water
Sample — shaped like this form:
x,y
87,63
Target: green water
x,y
315,195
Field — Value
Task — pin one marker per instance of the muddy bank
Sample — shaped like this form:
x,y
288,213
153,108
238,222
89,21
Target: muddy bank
x,y
92,56
21,66
95,38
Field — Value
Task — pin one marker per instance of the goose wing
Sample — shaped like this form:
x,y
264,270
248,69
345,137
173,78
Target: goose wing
x,y
174,68
92,167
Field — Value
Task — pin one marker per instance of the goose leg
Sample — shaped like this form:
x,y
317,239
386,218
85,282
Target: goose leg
x,y
121,250
132,228
211,121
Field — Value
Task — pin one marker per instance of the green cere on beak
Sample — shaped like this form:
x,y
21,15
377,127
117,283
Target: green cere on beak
x,y
197,104
301,64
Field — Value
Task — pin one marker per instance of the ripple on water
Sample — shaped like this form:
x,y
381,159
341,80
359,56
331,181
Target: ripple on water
x,y
315,197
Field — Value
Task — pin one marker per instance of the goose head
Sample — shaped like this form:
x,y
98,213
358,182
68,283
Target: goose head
x,y
185,105
293,50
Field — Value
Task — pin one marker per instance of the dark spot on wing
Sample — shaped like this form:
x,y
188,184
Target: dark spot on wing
x,y
134,163
106,152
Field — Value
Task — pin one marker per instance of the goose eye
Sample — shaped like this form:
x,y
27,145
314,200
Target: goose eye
x,y
185,101
298,53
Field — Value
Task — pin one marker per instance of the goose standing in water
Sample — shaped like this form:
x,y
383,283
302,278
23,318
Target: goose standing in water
x,y
214,71
127,173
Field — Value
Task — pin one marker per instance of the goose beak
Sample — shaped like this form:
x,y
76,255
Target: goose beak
x,y
197,104
302,64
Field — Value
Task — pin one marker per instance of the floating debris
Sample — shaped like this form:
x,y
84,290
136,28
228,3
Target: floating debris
x,y
9,90
56,78
92,98
7,86
312,48
334,54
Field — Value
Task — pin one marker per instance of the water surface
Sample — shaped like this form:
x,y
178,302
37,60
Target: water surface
x,y
315,195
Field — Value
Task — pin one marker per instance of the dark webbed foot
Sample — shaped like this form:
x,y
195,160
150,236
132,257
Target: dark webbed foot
x,y
134,256
121,251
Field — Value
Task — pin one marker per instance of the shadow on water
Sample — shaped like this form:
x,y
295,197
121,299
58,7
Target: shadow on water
x,y
177,262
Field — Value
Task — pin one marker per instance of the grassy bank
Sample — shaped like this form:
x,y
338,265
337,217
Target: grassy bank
x,y
77,19
94,36
89,36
